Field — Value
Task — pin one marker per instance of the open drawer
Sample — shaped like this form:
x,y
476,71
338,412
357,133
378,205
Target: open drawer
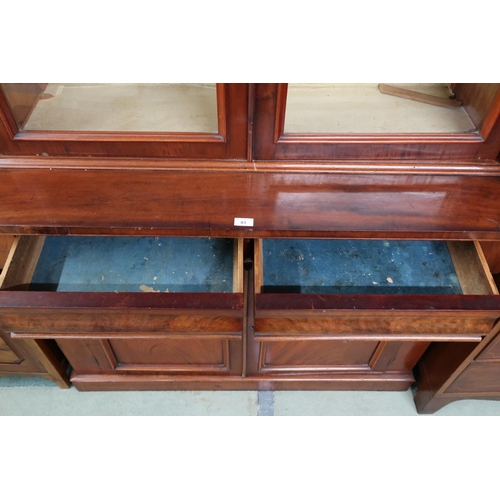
x,y
119,305
366,307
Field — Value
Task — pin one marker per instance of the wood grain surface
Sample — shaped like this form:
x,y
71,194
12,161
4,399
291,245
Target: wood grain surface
x,y
180,202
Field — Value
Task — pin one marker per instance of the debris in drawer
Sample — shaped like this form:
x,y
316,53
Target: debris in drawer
x,y
358,266
127,264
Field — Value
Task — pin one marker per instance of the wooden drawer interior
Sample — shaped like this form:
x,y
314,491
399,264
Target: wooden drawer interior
x,y
124,264
372,267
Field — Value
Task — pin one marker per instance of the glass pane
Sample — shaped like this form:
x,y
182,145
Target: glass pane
x,y
114,107
368,109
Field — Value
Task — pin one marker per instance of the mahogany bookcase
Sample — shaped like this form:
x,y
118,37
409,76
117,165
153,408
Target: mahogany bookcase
x,y
252,179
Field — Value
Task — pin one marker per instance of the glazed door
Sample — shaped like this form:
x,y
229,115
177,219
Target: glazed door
x,y
195,121
377,121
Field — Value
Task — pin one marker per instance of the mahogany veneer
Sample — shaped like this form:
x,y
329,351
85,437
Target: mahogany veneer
x,y
48,198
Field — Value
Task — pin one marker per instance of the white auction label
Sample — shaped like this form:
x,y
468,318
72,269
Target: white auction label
x,y
243,222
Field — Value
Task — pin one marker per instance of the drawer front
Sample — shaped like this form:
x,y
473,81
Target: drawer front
x,y
430,327
478,378
380,317
373,289
168,356
61,315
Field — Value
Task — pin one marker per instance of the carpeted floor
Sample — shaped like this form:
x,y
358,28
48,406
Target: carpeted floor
x,y
39,397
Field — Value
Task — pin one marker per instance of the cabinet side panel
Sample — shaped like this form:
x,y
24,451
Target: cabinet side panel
x,y
22,98
478,378
478,99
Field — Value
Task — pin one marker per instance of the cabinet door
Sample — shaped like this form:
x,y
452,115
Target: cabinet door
x,y
195,121
365,122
